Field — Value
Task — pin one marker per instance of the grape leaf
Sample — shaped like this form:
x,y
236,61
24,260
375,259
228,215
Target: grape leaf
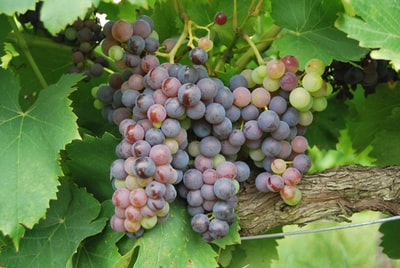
x,y
100,250
324,130
231,238
255,252
174,244
57,14
30,143
383,150
146,4
89,163
5,30
9,7
378,115
52,60
390,239
70,218
310,31
376,26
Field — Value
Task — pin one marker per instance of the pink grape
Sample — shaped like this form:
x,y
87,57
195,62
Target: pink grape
x,y
241,96
138,197
275,69
291,176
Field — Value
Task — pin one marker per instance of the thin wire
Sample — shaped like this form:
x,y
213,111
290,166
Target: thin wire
x,y
321,229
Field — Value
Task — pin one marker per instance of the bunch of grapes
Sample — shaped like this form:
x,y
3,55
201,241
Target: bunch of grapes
x,y
368,73
160,116
185,133
84,35
277,102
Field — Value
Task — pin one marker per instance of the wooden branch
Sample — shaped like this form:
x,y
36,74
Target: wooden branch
x,y
334,195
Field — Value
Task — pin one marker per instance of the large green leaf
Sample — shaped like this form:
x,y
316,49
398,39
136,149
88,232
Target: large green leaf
x,y
310,31
89,163
51,59
100,250
53,241
376,26
30,143
390,239
9,7
376,124
57,14
174,244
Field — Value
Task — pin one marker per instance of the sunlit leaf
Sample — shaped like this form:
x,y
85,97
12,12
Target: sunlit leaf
x,y
10,7
375,26
310,31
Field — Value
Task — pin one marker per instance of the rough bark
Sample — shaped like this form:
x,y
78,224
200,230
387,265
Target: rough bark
x,y
334,195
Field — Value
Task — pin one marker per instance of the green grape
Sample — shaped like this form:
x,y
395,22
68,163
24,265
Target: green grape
x,y
258,74
312,81
315,65
247,74
148,222
291,195
93,91
70,33
270,84
319,104
300,98
97,104
218,159
256,154
306,118
116,53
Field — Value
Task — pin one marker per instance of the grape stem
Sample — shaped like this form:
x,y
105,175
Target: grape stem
x,y
260,60
25,49
265,41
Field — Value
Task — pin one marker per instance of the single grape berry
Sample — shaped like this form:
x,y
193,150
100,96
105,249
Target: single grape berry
x,y
220,18
198,56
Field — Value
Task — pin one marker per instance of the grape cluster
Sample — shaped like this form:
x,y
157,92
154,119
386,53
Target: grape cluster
x,y
131,44
368,73
185,133
277,105
184,129
143,178
84,35
161,115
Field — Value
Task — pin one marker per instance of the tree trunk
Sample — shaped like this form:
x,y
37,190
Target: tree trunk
x,y
333,194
